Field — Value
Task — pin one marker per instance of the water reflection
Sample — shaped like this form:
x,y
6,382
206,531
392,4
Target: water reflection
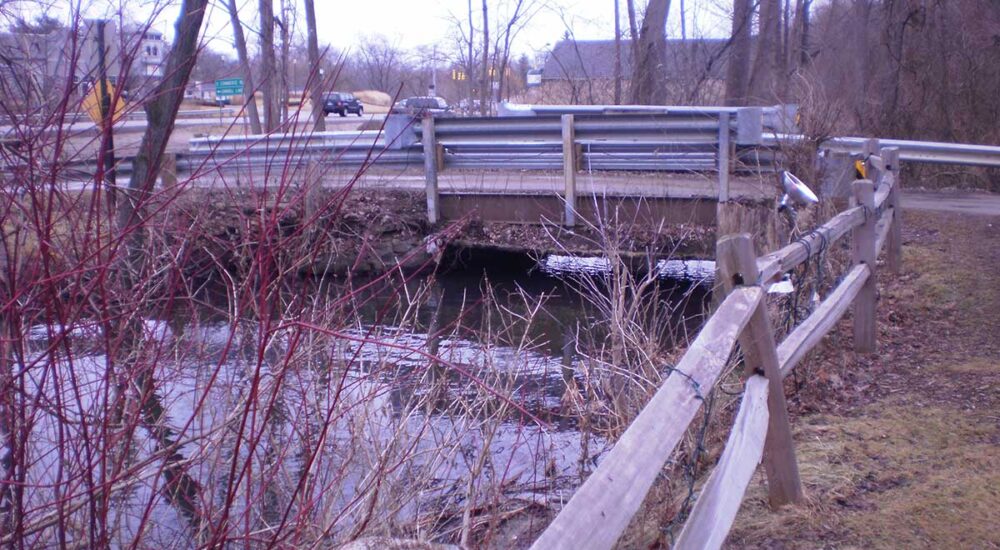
x,y
417,395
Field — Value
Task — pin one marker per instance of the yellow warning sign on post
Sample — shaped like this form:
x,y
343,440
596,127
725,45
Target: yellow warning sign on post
x,y
92,104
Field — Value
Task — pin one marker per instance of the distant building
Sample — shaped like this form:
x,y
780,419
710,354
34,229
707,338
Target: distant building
x,y
584,70
138,54
151,51
33,64
533,78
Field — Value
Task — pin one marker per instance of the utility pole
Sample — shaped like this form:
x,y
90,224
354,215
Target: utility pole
x,y
107,157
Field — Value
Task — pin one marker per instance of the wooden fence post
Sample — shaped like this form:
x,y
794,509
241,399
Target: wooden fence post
x,y
870,148
864,253
430,169
569,169
737,263
724,132
894,249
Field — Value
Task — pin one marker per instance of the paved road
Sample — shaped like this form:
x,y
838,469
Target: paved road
x,y
982,204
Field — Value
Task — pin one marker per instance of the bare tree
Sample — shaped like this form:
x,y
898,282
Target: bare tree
x,y
618,55
471,63
268,64
738,69
648,86
381,64
510,23
768,64
241,51
316,87
633,28
484,91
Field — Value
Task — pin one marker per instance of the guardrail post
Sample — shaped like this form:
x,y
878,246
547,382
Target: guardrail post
x,y
724,132
750,126
430,169
569,169
864,253
168,170
737,263
894,248
838,174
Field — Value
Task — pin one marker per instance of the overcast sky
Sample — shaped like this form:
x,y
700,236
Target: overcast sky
x,y
413,23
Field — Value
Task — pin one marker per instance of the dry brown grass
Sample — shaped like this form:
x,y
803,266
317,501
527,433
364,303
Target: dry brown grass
x,y
899,475
916,466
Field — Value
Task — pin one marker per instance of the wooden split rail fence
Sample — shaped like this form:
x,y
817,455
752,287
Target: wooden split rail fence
x,y
601,509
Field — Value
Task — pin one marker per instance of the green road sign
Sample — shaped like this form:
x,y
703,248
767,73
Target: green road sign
x,y
228,87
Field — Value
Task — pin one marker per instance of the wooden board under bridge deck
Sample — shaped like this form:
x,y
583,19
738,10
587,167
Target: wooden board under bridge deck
x,y
536,196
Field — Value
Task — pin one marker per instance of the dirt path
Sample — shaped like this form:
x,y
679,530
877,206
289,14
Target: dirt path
x,y
902,450
986,204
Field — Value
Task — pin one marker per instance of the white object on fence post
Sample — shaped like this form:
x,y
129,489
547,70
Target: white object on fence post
x,y
864,252
569,169
737,264
430,169
894,250
724,132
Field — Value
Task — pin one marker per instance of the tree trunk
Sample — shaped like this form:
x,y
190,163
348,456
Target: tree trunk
x,y
618,55
764,82
284,87
469,78
648,78
267,62
484,92
633,27
738,69
182,490
241,51
684,34
803,36
315,79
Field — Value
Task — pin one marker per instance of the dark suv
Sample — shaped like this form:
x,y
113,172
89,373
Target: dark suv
x,y
421,106
342,103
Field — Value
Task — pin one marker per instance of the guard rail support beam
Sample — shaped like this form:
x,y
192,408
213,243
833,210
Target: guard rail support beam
x,y
430,169
737,263
724,132
569,169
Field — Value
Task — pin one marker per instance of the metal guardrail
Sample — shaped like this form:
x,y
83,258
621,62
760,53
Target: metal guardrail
x,y
927,152
685,140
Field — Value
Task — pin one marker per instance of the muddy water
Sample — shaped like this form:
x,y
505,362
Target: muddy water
x,y
363,414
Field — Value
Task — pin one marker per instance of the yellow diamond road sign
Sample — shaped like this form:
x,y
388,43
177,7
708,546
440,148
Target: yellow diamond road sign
x,y
92,104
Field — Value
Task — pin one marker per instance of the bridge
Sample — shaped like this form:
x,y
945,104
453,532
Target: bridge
x,y
556,164
566,164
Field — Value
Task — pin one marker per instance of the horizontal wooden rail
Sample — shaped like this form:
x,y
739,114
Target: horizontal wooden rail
x,y
884,188
781,261
716,508
603,506
885,222
818,324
